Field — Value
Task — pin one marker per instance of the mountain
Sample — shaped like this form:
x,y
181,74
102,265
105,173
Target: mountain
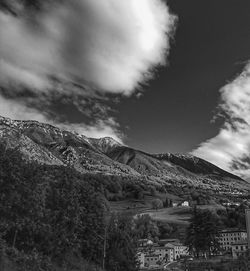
x,y
178,169
46,144
105,144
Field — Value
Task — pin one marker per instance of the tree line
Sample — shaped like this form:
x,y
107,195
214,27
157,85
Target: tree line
x,y
51,214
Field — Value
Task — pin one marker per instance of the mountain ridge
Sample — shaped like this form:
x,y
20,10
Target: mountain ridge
x,y
45,143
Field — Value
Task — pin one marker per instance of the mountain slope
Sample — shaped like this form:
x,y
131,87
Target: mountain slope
x,y
46,144
64,147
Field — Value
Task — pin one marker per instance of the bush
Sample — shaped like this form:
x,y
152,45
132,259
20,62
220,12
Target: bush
x,y
157,204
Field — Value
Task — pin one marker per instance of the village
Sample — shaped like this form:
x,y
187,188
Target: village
x,y
159,255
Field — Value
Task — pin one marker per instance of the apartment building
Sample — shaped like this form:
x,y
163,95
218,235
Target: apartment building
x,y
228,237
239,248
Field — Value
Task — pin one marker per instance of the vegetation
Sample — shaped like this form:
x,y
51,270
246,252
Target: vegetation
x,y
202,233
146,228
233,217
122,244
157,204
51,214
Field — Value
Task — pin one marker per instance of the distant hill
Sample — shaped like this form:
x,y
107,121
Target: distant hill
x,y
46,144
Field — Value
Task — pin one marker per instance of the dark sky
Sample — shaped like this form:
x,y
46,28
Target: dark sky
x,y
210,48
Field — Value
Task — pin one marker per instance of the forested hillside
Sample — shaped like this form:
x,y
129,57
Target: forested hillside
x,y
52,216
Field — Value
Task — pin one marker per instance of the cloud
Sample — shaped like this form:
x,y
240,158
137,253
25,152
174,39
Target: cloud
x,y
68,51
230,149
18,110
112,44
14,76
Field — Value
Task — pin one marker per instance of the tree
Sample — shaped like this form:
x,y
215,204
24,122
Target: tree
x,y
202,233
121,244
157,204
145,227
166,203
52,210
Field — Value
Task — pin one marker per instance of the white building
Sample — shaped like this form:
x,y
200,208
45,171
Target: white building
x,y
239,248
230,236
145,243
161,251
179,250
155,255
185,203
170,253
141,258
152,260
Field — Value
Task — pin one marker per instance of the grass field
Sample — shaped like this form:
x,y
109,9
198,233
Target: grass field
x,y
174,215
179,217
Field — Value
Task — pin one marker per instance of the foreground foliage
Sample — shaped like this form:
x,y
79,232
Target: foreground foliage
x,y
50,214
202,233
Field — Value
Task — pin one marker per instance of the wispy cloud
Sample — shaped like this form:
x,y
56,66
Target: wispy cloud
x,y
99,128
111,45
230,149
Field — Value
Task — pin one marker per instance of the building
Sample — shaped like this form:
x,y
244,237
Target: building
x,y
151,254
239,248
170,252
177,203
179,250
229,236
185,203
161,251
141,258
145,243
152,260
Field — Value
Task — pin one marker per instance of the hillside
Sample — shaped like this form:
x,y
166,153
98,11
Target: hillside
x,y
46,144
179,170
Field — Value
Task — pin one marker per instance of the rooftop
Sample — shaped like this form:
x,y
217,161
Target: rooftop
x,y
233,230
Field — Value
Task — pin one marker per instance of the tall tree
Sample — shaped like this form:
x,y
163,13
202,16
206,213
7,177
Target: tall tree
x,y
121,245
145,227
202,233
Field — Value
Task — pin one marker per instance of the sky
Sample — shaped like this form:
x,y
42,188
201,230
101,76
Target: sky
x,y
160,76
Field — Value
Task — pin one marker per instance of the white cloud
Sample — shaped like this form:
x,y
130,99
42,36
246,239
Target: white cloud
x,y
113,44
18,110
110,45
230,149
14,76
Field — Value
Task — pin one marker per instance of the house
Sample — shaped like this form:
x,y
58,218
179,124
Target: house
x,y
151,254
145,243
170,253
179,250
141,258
185,203
229,236
161,251
152,260
239,248
175,204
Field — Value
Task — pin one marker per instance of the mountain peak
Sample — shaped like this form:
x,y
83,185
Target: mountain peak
x,y
105,144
